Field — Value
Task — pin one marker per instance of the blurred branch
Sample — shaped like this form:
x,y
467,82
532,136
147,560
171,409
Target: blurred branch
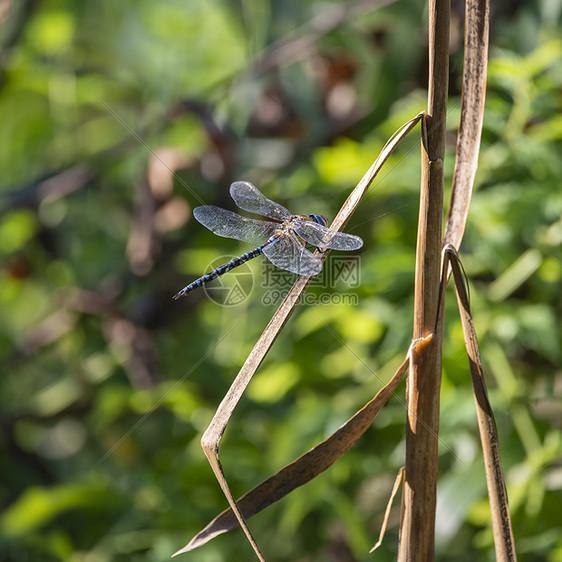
x,y
59,183
52,187
118,328
298,45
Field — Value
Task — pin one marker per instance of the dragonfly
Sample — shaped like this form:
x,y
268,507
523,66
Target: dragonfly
x,y
282,240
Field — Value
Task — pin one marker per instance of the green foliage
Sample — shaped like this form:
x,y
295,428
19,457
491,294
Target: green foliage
x,y
118,118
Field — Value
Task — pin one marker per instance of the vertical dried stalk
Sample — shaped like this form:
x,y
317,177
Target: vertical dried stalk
x,y
476,38
419,494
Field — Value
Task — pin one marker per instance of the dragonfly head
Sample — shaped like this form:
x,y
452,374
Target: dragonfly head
x,y
319,219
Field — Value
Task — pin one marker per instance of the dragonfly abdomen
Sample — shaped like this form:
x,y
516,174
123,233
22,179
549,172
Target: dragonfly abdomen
x,y
225,268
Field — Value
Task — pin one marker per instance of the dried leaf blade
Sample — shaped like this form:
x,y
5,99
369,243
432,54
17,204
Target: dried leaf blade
x,y
302,470
501,521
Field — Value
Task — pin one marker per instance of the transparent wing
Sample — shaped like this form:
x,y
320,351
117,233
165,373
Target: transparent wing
x,y
290,254
323,237
249,198
230,225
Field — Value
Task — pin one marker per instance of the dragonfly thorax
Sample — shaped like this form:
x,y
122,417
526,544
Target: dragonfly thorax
x,y
290,224
320,219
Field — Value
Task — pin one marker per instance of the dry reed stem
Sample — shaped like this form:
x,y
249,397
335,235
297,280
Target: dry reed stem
x,y
420,484
417,527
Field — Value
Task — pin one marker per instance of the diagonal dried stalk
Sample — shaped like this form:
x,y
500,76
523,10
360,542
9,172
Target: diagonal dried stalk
x,y
501,521
420,483
211,438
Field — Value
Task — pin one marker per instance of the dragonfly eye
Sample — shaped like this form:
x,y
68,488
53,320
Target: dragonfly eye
x,y
319,219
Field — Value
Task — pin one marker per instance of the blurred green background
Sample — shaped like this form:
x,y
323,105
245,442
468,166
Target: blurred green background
x,y
117,119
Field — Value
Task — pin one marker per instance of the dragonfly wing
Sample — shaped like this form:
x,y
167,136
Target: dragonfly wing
x,y
288,253
231,225
249,198
323,237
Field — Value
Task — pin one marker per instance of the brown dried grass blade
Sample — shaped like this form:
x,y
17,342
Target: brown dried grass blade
x,y
211,438
472,116
306,467
501,520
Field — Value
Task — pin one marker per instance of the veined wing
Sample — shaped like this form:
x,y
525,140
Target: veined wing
x,y
231,225
322,237
249,198
290,254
